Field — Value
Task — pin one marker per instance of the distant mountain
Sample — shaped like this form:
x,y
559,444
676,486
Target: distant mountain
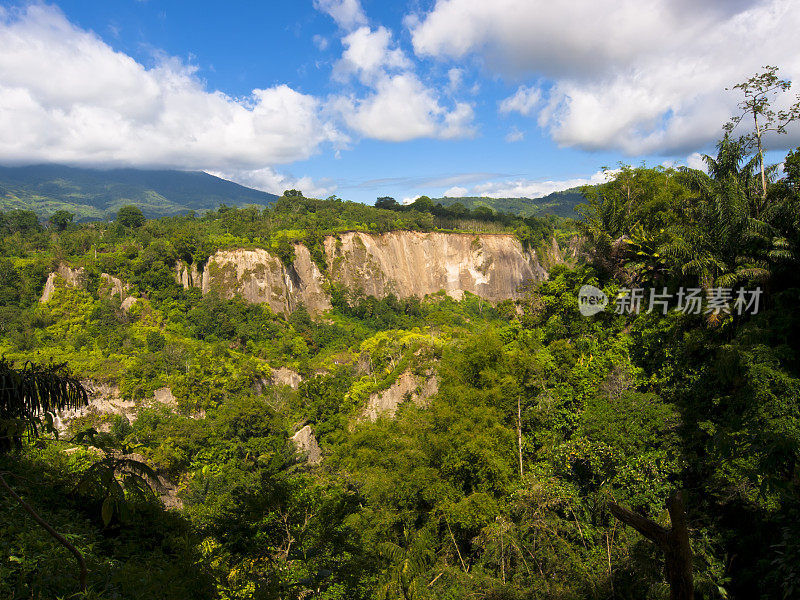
x,y
95,193
561,203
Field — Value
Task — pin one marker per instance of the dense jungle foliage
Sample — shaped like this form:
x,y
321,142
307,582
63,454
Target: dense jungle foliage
x,y
497,487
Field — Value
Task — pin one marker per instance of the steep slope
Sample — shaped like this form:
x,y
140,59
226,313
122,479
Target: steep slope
x,y
94,193
408,263
403,263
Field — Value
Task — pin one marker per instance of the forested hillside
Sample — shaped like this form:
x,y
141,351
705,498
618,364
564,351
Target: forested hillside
x,y
561,204
465,448
98,194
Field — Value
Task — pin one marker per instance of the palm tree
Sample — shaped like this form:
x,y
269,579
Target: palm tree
x,y
29,398
721,239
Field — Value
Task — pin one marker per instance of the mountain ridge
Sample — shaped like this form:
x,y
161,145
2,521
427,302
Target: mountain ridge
x,y
561,203
98,193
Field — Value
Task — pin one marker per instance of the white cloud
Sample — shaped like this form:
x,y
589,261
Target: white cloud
x,y
523,101
524,188
348,14
456,192
320,41
455,78
458,122
402,108
268,180
695,161
641,76
515,135
370,53
66,96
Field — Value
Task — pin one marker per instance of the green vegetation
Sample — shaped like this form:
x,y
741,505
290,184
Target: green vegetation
x,y
494,480
98,194
560,204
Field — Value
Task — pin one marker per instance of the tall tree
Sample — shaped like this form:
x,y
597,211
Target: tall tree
x,y
130,216
760,91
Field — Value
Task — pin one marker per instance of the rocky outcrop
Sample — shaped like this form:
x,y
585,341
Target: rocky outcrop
x,y
260,277
408,387
165,397
104,399
112,286
403,263
75,278
284,376
410,263
306,444
188,275
279,377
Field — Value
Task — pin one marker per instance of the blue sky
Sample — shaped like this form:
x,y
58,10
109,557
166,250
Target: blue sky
x,y
365,99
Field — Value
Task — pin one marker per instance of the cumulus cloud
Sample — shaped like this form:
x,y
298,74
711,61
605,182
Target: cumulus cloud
x,y
641,76
524,101
394,104
397,106
370,53
456,192
268,180
348,14
402,108
66,96
695,161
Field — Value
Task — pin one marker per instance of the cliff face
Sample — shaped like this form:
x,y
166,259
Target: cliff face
x,y
72,277
402,263
261,277
406,263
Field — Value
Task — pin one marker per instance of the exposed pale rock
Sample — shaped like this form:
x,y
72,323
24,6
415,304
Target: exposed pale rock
x,y
409,263
262,278
75,278
280,376
415,388
306,443
169,493
405,263
285,376
110,286
188,275
103,399
164,396
128,303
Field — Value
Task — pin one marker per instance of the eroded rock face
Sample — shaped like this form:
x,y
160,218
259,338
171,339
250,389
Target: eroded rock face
x,y
261,277
284,376
188,275
306,443
278,377
164,396
408,263
403,263
408,386
103,399
72,277
110,286
76,278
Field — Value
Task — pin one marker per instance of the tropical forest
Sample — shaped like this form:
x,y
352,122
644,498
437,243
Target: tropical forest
x,y
210,392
